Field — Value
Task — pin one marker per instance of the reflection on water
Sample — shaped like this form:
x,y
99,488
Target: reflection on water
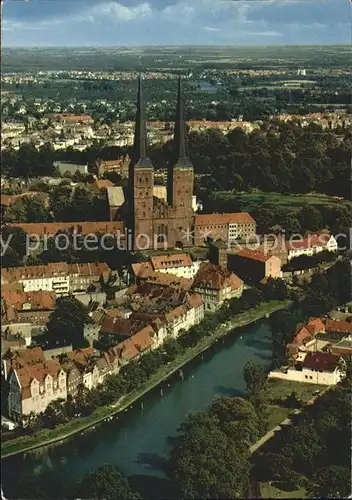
x,y
137,441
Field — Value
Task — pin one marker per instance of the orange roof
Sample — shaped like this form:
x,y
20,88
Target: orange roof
x,y
206,220
11,274
142,269
338,326
19,359
72,118
302,336
126,350
39,372
143,339
167,279
216,277
251,254
175,313
195,300
37,299
171,261
52,228
102,184
315,325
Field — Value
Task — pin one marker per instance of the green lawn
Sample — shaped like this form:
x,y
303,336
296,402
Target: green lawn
x,y
276,414
289,200
271,491
280,389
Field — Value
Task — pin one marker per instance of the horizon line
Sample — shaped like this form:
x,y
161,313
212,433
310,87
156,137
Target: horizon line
x,y
174,45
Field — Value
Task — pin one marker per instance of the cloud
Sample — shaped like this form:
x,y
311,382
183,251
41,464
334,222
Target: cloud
x,y
119,12
209,28
165,22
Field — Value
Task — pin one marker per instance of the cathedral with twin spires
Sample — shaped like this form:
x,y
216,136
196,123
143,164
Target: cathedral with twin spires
x,y
155,222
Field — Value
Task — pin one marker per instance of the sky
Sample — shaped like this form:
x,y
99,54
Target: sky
x,y
175,22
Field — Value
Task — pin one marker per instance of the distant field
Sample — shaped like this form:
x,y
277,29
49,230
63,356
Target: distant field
x,y
288,200
173,57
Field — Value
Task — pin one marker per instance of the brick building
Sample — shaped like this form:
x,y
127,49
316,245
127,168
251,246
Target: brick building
x,y
254,266
120,166
226,227
155,222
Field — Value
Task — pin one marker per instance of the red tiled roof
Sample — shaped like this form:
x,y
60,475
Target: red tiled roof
x,y
216,277
143,339
37,299
206,220
195,300
52,228
302,336
170,280
321,361
19,359
11,274
72,118
37,371
142,269
101,184
251,254
315,325
338,326
170,261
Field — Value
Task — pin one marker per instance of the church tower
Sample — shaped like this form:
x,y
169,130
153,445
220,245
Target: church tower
x,y
142,181
181,178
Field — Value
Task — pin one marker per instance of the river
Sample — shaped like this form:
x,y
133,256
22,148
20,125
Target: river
x,y
137,440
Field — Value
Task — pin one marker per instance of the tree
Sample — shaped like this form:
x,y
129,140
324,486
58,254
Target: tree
x,y
331,482
106,483
310,218
13,246
205,462
255,377
66,322
238,419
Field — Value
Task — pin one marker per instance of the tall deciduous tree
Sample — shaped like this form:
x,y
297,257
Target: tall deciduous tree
x,y
66,322
206,463
106,483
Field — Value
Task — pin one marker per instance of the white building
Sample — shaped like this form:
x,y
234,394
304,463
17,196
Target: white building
x,y
180,265
311,245
319,368
33,387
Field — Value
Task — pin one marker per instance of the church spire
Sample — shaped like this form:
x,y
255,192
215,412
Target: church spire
x,y
180,126
140,136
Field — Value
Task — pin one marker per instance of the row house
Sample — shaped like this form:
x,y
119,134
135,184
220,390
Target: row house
x,y
216,284
311,245
60,277
32,387
22,307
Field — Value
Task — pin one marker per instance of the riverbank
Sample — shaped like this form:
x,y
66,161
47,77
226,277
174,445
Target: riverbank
x,y
47,437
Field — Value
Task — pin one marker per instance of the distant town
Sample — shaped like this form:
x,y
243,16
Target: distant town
x,y
186,249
